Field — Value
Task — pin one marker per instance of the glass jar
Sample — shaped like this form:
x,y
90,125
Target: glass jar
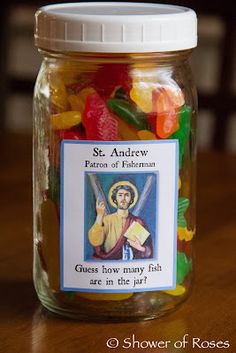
x,y
114,159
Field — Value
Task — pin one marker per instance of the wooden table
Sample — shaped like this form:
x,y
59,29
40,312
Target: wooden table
x,y
209,314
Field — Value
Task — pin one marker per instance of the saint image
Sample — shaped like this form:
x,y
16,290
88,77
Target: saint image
x,y
120,235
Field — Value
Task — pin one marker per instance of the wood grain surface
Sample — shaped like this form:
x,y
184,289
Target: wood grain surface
x,y
209,314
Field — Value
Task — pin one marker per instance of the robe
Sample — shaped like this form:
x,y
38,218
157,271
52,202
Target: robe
x,y
108,239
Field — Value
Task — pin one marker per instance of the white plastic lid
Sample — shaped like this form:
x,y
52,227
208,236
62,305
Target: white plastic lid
x,y
115,27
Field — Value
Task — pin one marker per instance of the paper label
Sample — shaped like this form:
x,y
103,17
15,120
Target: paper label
x,y
118,215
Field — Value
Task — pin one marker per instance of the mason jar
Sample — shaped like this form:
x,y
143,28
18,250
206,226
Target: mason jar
x,y
114,159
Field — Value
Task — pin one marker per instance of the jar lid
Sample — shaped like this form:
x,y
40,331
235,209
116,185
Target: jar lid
x,y
115,27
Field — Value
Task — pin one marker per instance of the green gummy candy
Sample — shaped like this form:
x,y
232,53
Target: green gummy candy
x,y
184,265
182,134
183,204
129,113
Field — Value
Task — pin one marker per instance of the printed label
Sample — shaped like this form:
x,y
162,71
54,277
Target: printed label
x,y
118,215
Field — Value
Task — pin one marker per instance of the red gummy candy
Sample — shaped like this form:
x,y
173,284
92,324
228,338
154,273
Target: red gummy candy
x,y
152,119
74,88
185,246
97,120
110,76
72,134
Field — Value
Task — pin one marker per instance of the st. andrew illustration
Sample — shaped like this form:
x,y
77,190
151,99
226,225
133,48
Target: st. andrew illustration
x,y
127,231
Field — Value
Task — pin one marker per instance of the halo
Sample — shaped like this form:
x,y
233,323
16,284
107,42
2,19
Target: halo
x,y
125,183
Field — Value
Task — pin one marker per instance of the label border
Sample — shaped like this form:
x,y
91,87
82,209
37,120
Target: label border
x,y
93,142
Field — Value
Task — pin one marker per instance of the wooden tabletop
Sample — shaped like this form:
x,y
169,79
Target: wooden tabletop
x,y
208,315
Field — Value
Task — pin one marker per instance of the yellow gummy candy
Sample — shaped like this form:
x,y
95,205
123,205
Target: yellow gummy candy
x,y
77,101
69,71
73,67
144,81
83,94
179,290
50,242
142,96
58,94
146,135
179,183
105,296
65,120
185,234
126,132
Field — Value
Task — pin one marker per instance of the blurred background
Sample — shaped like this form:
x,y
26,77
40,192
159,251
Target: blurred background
x,y
213,64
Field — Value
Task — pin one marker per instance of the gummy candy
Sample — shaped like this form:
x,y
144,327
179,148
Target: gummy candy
x,y
75,102
58,94
126,131
72,134
167,114
120,93
152,119
142,97
185,234
179,183
146,135
183,204
76,87
185,247
68,72
65,120
182,134
98,121
179,290
183,266
128,112
111,75
144,81
167,96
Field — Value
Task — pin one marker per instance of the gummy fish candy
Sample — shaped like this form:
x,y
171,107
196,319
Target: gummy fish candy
x,y
98,121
